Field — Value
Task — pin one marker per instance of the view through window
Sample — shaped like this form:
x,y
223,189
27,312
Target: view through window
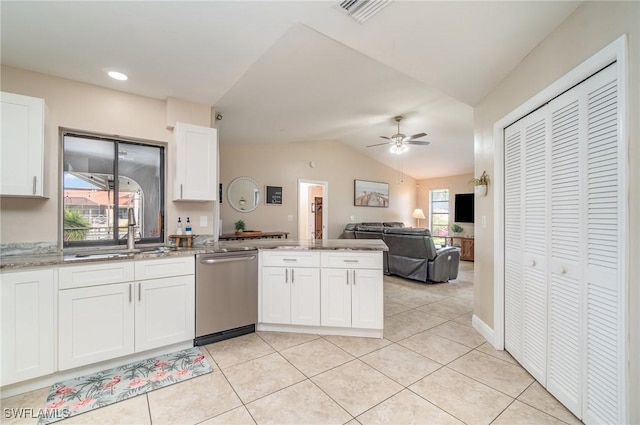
x,y
102,179
439,215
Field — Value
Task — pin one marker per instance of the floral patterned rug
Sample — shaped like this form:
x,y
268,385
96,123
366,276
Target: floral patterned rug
x,y
79,395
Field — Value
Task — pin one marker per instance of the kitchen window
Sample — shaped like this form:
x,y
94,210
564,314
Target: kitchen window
x,y
102,179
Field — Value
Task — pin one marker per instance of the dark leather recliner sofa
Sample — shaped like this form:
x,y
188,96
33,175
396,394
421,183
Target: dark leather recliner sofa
x,y
412,253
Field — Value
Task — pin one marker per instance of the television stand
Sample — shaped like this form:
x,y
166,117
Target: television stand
x,y
466,244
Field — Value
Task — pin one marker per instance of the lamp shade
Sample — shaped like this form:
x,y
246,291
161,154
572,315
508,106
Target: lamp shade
x,y
417,213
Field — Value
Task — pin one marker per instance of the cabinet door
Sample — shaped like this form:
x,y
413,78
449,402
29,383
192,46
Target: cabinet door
x,y
196,163
22,145
335,297
305,296
367,299
28,334
165,312
96,324
276,295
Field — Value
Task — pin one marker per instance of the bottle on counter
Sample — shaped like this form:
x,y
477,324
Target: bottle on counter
x,y
187,227
179,227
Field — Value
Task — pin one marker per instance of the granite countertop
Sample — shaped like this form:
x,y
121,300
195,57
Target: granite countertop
x,y
78,256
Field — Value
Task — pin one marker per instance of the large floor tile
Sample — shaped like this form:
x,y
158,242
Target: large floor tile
x,y
466,319
420,319
238,350
32,400
260,377
358,346
521,414
192,401
316,356
237,416
462,397
401,364
302,403
406,408
435,347
503,376
536,396
396,330
459,333
356,386
283,340
392,307
487,348
131,411
445,310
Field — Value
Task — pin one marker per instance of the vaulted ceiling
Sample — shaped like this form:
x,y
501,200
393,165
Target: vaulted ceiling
x,y
296,71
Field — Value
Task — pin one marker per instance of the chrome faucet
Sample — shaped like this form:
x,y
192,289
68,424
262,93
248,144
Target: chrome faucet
x,y
131,234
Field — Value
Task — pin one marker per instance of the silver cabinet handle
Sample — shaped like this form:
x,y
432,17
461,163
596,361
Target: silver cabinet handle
x,y
290,260
347,277
130,292
351,261
354,278
292,276
139,291
180,190
35,181
286,275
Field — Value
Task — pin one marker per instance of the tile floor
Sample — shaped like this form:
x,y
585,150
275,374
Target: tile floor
x,y
431,367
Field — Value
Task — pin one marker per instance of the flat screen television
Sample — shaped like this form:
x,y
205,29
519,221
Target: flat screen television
x,y
464,208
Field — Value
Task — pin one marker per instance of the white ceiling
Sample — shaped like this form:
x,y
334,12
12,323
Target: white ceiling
x,y
296,71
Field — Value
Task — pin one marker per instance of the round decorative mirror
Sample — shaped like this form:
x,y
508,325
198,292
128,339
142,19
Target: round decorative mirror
x,y
243,194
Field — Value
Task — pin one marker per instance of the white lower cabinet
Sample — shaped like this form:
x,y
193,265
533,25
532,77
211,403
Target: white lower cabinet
x,y
27,300
291,295
330,289
352,298
96,324
105,321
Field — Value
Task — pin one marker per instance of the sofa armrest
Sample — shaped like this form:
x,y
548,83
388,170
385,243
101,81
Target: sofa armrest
x,y
445,249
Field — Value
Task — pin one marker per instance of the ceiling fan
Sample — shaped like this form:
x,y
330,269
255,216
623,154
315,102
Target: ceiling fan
x,y
399,142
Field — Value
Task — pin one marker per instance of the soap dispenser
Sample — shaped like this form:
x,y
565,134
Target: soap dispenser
x,y
179,228
187,228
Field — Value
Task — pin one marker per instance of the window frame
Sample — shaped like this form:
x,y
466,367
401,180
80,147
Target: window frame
x,y
431,213
114,242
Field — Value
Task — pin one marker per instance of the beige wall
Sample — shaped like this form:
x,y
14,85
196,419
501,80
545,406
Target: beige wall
x,y
590,28
455,184
283,164
80,106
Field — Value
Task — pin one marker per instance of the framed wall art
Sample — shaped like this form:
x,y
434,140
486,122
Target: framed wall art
x,y
370,194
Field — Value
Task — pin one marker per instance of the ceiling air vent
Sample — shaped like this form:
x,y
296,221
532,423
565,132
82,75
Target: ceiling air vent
x,y
362,10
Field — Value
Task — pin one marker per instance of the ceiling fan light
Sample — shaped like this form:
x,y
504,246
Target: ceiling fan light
x,y
399,149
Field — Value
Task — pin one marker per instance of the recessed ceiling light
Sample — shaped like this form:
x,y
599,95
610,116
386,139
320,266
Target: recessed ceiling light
x,y
117,75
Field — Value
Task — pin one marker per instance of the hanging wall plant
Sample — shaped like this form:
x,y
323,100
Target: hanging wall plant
x,y
481,184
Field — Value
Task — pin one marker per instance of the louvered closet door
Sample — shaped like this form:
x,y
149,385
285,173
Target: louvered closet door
x,y
605,350
566,246
535,244
586,314
513,282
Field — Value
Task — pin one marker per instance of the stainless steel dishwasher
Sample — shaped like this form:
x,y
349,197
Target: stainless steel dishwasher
x,y
226,295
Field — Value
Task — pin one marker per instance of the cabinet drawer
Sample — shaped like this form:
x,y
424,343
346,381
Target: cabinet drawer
x,y
291,258
352,260
165,267
103,273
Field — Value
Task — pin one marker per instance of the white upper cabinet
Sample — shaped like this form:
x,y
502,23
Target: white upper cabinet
x,y
22,143
196,177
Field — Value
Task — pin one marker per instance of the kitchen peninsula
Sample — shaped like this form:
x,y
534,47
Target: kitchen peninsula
x,y
325,287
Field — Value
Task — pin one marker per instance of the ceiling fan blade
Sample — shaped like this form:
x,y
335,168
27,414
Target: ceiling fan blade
x,y
385,137
415,136
380,144
417,142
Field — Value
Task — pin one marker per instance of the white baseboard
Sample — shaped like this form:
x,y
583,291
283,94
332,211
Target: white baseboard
x,y
483,328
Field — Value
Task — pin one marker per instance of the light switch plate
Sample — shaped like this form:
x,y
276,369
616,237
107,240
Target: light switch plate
x,y
484,221
290,218
203,221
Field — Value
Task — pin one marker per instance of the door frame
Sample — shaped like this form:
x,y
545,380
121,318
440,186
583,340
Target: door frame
x,y
614,52
325,204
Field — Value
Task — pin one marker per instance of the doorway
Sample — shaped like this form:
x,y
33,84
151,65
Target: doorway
x,y
312,209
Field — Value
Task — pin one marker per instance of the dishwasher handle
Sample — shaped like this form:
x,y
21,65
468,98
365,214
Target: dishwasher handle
x,y
226,260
